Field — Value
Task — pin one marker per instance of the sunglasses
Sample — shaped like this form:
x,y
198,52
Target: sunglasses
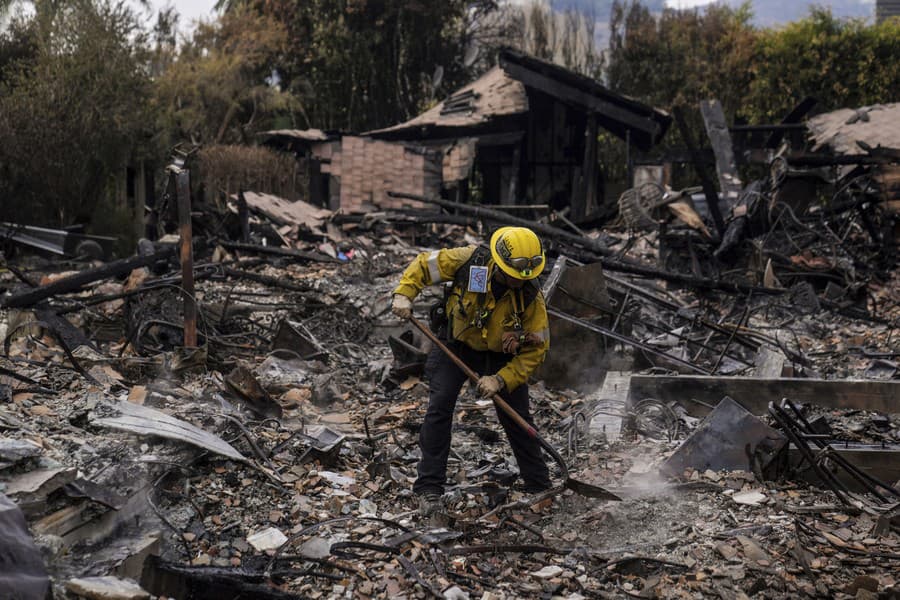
x,y
524,265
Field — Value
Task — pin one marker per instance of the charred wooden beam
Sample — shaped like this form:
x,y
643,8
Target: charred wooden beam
x,y
70,335
585,200
624,339
580,98
75,282
265,280
825,160
597,248
22,276
501,217
25,379
791,120
244,217
729,181
698,393
404,217
709,191
205,271
288,252
780,127
175,580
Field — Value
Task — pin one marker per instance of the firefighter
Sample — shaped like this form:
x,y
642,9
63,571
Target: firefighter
x,y
496,322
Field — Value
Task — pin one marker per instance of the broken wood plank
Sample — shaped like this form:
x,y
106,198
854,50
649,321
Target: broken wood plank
x,y
148,421
106,587
62,521
66,332
286,212
699,393
204,271
30,489
75,282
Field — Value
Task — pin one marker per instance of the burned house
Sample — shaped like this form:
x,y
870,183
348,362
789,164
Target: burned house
x,y
523,133
752,437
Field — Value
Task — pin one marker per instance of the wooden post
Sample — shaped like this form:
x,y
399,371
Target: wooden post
x,y
140,201
183,187
584,200
243,217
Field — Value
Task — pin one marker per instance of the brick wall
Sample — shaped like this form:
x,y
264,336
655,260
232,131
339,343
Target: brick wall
x,y
458,160
369,168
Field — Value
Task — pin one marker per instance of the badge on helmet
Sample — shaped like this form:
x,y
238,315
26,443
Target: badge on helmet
x,y
518,252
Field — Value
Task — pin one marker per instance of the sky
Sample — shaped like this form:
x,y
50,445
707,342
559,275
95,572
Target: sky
x,y
686,3
190,10
693,3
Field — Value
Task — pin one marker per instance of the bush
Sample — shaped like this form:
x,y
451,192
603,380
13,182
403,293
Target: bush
x,y
225,170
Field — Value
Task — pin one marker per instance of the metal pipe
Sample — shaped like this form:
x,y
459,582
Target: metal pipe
x,y
625,340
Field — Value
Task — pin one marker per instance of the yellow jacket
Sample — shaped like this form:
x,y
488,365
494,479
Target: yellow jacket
x,y
505,314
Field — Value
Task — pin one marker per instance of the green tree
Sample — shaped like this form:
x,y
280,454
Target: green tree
x,y
678,58
840,62
362,64
73,113
18,44
682,57
218,88
566,37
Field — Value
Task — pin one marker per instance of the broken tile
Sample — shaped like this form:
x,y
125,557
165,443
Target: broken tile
x,y
106,588
267,539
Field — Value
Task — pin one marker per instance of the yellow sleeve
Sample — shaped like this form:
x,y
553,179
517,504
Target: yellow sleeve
x,y
429,268
523,365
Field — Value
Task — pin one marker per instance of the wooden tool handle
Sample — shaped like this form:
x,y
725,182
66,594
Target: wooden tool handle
x,y
520,421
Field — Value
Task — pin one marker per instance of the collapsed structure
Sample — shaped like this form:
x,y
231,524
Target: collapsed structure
x,y
527,127
235,415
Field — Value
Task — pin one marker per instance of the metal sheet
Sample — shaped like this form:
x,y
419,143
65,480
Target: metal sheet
x,y
725,440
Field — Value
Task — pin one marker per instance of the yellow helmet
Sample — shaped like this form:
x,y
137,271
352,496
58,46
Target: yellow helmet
x,y
518,252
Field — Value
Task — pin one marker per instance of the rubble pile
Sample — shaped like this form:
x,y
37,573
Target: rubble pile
x,y
277,457
734,382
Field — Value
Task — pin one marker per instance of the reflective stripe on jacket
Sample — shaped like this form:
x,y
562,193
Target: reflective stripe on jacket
x,y
504,314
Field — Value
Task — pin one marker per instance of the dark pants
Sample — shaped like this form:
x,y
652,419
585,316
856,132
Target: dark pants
x,y
445,382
